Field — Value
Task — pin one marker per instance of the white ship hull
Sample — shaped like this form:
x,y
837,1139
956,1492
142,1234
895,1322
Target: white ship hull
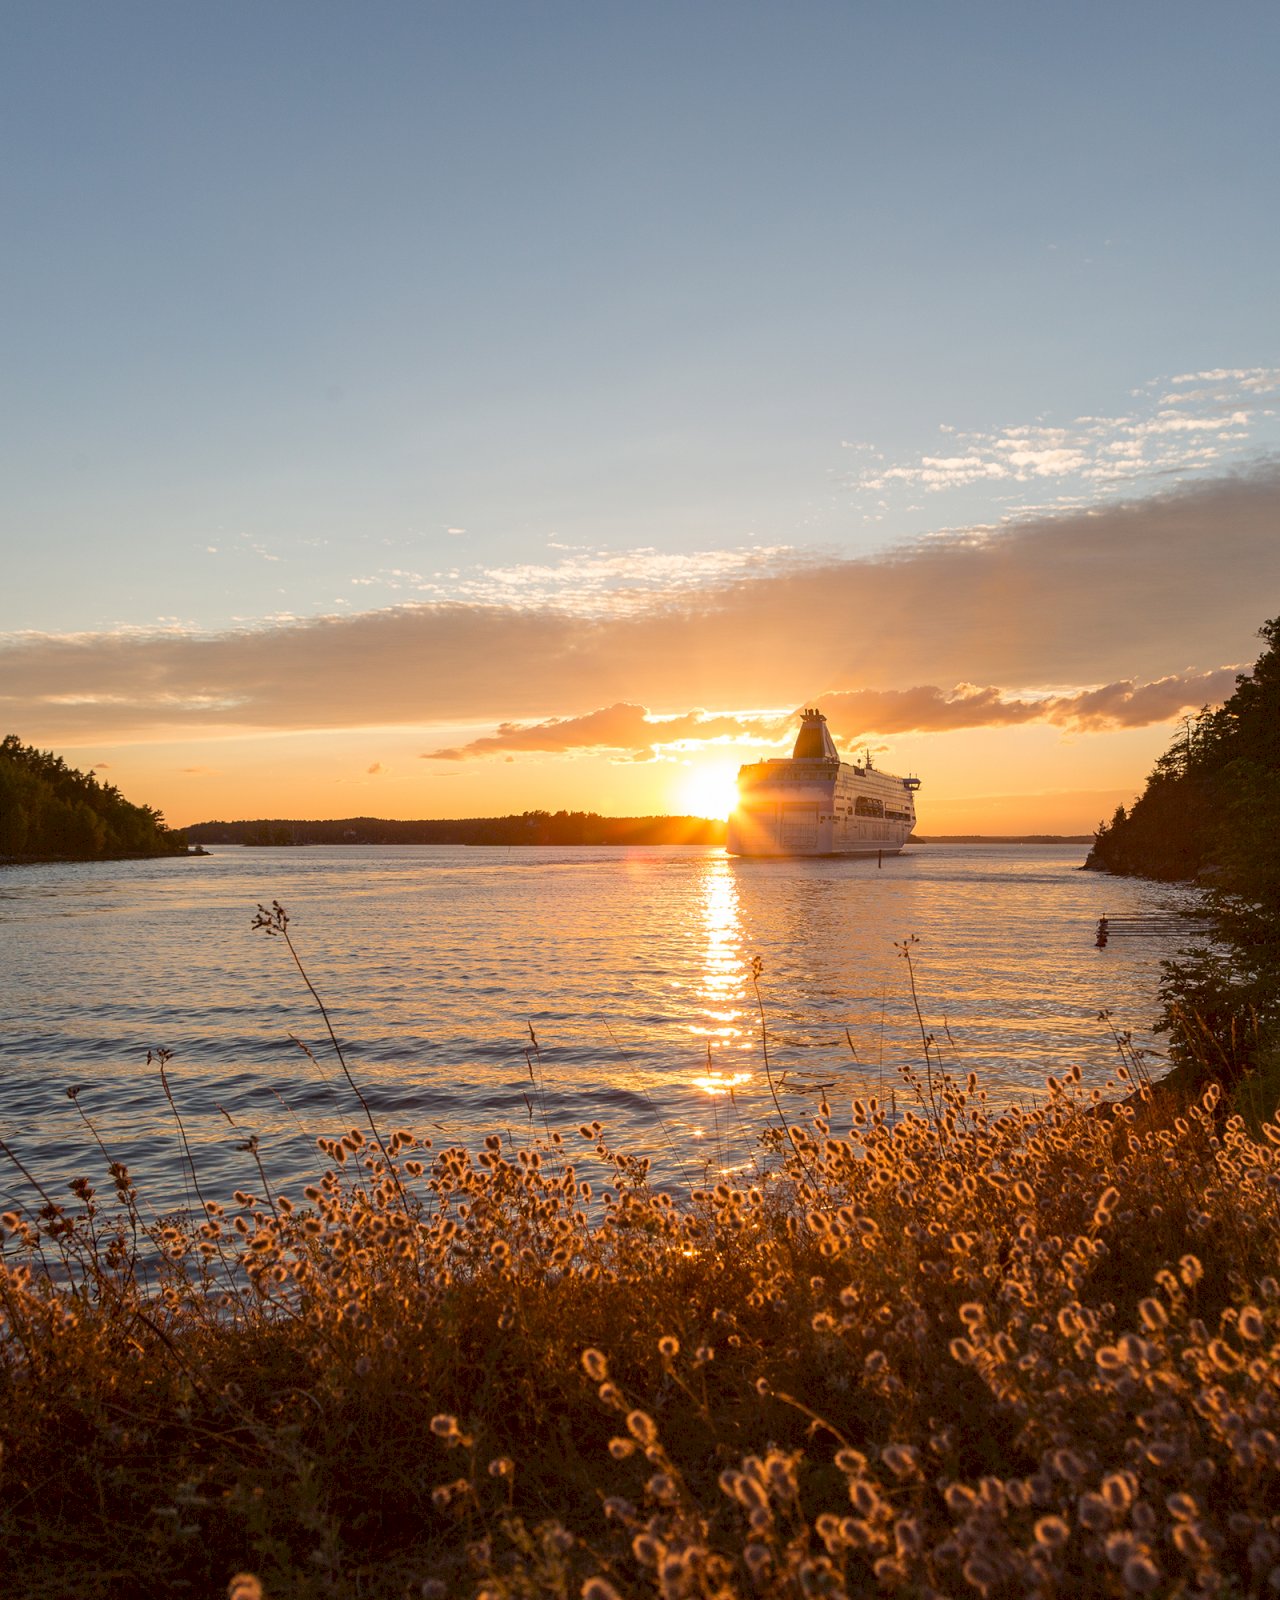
x,y
817,805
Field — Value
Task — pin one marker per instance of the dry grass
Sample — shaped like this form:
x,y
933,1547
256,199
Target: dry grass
x,y
973,1352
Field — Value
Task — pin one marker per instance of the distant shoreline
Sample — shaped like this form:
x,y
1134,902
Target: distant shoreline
x,y
1003,838
528,829
115,855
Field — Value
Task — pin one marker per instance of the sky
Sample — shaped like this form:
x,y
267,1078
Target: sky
x,y
452,409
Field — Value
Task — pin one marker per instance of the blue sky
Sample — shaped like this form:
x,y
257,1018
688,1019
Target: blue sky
x,y
321,310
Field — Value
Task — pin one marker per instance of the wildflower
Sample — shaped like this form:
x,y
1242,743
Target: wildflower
x,y
669,1346
1251,1324
906,1536
758,1560
598,1588
1105,1206
1223,1356
244,1586
1117,1490
980,1572
1052,1532
1141,1574
1153,1314
648,1551
640,1427
620,1448
594,1365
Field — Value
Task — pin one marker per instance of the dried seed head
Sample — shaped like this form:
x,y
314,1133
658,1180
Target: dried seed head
x,y
1153,1314
640,1427
1141,1574
1052,1533
1251,1324
599,1589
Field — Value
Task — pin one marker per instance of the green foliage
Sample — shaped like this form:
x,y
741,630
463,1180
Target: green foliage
x,y
48,809
1211,812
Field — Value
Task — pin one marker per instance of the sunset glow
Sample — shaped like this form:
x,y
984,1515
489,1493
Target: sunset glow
x,y
709,789
478,527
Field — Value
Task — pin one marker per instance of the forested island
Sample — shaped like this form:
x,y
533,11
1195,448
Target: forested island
x,y
50,811
1210,814
529,827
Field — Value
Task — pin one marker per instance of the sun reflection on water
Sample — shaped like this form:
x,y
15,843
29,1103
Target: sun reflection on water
x,y
722,1022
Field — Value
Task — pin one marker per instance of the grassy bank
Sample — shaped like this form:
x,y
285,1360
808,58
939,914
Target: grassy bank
x,y
957,1351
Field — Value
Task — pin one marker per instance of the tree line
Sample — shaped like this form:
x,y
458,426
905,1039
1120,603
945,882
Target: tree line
x,y
50,810
529,827
1211,813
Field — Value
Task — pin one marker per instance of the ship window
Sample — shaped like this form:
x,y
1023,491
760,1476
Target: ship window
x,y
865,807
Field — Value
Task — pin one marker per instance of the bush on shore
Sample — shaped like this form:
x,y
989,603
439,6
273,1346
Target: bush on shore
x,y
1025,1352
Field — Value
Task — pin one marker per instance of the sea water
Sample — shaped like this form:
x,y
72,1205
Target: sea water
x,y
529,990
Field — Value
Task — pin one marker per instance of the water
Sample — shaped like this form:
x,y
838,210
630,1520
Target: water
x,y
632,968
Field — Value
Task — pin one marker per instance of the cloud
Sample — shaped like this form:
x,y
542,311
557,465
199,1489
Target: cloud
x,y
628,729
1180,430
618,728
374,770
1129,592
1124,704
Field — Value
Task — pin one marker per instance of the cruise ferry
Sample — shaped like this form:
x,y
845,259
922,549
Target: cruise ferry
x,y
817,805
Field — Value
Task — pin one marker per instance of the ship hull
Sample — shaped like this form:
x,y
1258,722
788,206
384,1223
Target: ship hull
x,y
820,808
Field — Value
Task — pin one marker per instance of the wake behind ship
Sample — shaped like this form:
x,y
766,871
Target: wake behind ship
x,y
817,805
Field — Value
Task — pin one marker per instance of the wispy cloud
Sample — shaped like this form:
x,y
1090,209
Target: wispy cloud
x,y
589,582
1180,425
1132,593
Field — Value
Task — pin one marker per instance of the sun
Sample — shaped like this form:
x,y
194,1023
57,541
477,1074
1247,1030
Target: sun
x,y
708,789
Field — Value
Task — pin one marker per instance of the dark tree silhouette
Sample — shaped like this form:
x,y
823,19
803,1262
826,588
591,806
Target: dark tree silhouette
x,y
50,810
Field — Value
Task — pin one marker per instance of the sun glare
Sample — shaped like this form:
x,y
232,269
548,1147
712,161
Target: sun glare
x,y
708,790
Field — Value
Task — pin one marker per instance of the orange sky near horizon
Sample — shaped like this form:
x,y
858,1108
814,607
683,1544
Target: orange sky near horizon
x,y
1029,676
1030,779
607,383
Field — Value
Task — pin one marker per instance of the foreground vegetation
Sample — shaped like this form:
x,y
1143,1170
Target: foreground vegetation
x,y
953,1350
48,810
1211,813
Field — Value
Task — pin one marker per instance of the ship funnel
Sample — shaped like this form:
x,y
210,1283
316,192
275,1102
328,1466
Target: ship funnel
x,y
814,742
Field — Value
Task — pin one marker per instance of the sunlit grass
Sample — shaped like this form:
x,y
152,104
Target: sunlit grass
x,y
946,1349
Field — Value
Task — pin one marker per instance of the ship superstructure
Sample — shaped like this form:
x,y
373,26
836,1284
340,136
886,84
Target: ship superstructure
x,y
817,805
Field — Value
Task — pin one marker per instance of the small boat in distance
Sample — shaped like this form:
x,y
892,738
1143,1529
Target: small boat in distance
x,y
817,805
